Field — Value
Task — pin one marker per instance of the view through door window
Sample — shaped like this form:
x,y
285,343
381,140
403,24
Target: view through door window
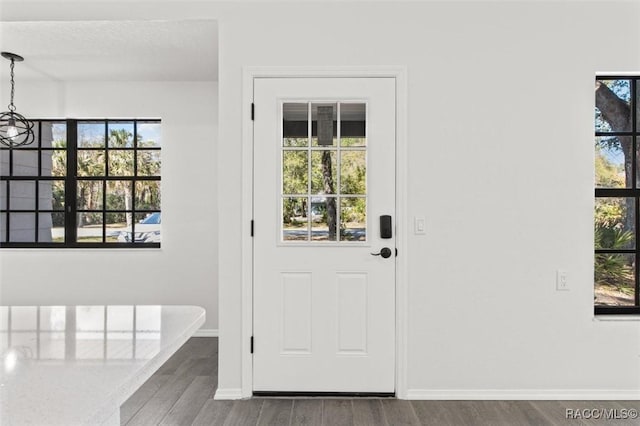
x,y
324,172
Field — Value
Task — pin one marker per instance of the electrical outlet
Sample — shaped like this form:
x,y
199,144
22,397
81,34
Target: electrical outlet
x,y
562,280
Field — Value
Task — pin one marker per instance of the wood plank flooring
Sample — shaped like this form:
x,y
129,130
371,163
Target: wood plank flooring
x,y
181,393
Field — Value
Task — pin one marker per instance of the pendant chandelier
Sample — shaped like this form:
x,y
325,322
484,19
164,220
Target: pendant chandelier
x,y
15,130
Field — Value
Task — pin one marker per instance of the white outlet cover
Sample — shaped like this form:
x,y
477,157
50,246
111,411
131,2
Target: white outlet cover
x,y
562,280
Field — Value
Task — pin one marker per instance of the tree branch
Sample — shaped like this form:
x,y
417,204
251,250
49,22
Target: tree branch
x,y
614,110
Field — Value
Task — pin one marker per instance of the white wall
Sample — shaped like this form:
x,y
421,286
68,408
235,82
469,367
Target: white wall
x,y
184,270
500,158
500,121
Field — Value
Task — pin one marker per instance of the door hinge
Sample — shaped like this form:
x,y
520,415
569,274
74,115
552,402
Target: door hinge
x,y
253,111
251,344
252,227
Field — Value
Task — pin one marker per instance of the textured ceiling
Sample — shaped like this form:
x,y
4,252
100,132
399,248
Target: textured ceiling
x,y
113,50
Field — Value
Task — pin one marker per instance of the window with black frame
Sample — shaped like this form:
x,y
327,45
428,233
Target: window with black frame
x,y
83,183
617,195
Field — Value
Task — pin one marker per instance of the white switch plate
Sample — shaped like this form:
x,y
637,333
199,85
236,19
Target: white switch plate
x,y
419,225
562,280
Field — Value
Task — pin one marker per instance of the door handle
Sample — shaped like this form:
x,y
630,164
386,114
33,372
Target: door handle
x,y
385,252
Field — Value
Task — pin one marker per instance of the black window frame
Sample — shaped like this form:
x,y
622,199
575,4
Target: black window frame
x,y
632,192
71,180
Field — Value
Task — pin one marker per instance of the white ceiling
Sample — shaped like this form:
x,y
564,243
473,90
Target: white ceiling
x,y
113,50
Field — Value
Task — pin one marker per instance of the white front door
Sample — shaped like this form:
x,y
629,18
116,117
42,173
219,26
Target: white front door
x,y
324,175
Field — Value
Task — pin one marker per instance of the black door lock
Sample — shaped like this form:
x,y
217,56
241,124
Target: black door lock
x,y
385,227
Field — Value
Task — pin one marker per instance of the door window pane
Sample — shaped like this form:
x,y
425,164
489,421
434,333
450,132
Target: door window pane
x,y
324,129
324,170
353,219
295,124
353,118
353,172
295,223
324,219
295,172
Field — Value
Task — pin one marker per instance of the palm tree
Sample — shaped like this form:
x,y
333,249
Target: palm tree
x,y
121,164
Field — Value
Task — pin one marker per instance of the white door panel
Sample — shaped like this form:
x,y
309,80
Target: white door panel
x,y
324,306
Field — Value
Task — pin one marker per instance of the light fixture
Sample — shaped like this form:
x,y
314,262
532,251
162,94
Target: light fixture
x,y
15,130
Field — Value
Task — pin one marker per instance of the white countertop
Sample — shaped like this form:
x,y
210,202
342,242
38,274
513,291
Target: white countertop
x,y
75,365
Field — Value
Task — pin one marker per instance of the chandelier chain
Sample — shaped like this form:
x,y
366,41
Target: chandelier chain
x,y
12,107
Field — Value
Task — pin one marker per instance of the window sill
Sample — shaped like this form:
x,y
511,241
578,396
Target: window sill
x,y
606,318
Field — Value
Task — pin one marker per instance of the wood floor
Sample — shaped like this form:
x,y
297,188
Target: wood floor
x,y
181,393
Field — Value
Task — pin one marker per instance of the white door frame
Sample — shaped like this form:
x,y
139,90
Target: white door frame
x,y
399,74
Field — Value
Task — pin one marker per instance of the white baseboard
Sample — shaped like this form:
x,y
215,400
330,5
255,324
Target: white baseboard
x,y
206,332
231,393
527,394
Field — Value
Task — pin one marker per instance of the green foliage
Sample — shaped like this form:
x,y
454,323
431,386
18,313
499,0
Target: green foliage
x,y
612,238
609,213
119,194
295,175
294,172
613,218
615,270
612,269
608,174
293,209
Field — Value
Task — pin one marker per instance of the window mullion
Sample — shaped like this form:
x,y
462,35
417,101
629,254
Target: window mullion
x,y
107,175
71,185
133,182
37,182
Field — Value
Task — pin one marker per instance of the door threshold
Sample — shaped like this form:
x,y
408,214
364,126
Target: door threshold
x,y
273,394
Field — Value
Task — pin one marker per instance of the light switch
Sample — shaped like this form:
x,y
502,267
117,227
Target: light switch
x,y
420,227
